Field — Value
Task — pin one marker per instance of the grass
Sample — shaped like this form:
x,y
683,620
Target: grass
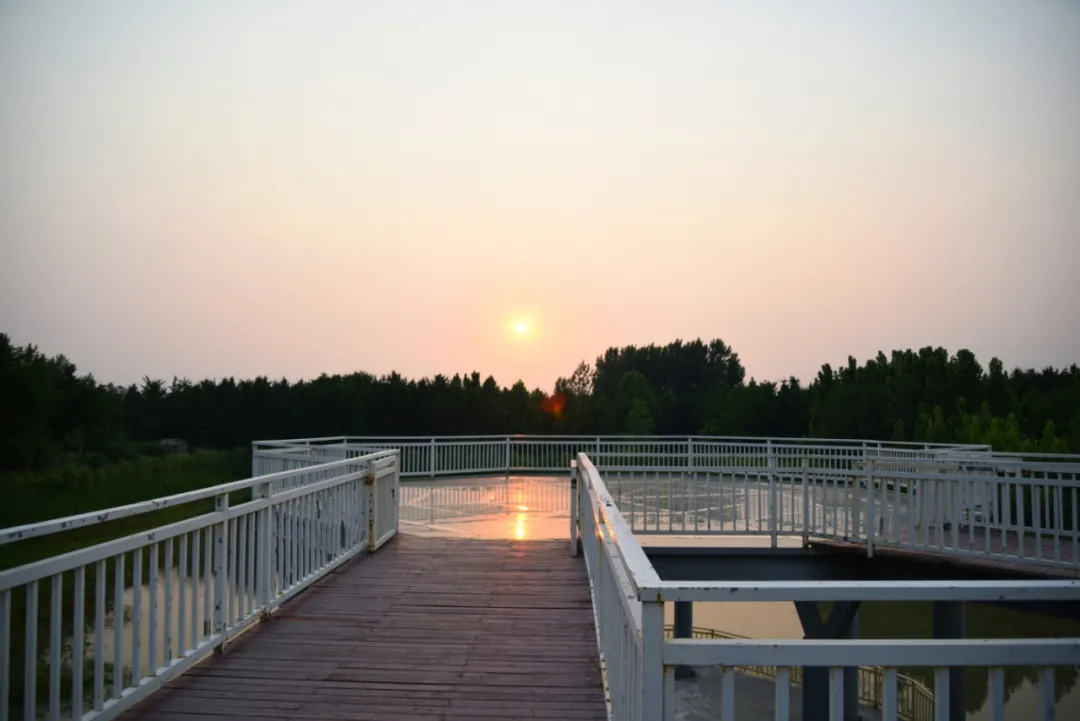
x,y
71,490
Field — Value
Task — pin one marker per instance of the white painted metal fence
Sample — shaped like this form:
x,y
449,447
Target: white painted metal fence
x,y
315,503
441,456
955,499
194,584
639,662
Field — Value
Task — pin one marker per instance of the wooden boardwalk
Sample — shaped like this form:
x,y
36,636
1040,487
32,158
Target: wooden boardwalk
x,y
426,629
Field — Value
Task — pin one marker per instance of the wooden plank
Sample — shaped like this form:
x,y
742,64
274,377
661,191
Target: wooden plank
x,y
427,629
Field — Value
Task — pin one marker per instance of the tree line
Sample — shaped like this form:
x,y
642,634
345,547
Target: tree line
x,y
51,414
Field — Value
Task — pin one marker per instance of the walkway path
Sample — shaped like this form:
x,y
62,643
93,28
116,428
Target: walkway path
x,y
427,629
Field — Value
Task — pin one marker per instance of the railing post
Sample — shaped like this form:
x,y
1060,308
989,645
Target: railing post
x,y
432,457
690,455
221,550
508,456
573,508
369,503
771,462
652,660
264,566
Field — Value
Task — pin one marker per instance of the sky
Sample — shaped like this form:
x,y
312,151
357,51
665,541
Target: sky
x,y
208,189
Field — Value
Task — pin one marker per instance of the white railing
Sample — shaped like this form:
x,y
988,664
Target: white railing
x,y
439,456
957,499
638,662
123,617
915,702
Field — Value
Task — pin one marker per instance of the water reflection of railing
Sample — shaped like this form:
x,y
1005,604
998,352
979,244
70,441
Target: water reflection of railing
x,y
915,702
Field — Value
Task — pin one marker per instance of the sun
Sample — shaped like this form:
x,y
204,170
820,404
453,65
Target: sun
x,y
521,328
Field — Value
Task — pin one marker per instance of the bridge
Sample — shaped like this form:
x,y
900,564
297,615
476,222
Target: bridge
x,y
337,582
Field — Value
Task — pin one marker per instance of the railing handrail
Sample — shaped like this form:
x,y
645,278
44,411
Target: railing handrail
x,y
856,489
238,564
916,687
534,437
90,518
636,563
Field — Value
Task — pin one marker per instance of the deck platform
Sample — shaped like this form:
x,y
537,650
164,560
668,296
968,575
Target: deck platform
x,y
426,629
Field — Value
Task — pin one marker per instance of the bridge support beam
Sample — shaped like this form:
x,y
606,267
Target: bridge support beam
x,y
843,622
948,622
684,628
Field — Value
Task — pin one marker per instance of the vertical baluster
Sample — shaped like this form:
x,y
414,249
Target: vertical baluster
x,y
1037,517
99,635
954,489
727,693
5,652
247,562
209,595
152,612
915,497
167,622
1006,514
670,504
1021,517
289,519
193,584
889,710
233,576
995,698
708,500
941,694
136,617
30,658
303,537
78,624
836,694
1046,694
1058,522
783,694
118,626
313,534
298,539
746,501
56,618
1075,529
969,489
181,596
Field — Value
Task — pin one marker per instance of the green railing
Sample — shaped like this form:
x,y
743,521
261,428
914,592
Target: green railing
x,y
915,702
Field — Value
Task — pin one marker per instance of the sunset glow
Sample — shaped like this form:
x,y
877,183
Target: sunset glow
x,y
393,192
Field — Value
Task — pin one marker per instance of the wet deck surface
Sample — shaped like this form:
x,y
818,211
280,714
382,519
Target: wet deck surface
x,y
423,630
